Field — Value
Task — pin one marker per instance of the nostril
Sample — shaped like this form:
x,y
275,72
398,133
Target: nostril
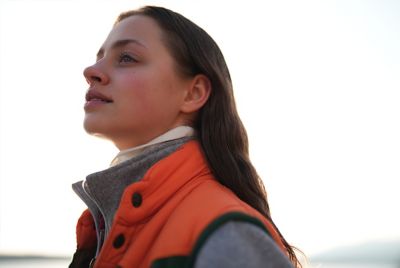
x,y
96,78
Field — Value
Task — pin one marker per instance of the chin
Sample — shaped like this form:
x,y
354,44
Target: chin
x,y
93,127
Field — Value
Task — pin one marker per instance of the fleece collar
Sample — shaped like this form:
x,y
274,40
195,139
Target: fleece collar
x,y
102,191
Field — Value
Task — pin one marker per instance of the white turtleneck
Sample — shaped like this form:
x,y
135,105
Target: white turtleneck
x,y
173,134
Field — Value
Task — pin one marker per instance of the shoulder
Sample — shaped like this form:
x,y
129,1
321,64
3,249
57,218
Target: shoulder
x,y
232,240
230,233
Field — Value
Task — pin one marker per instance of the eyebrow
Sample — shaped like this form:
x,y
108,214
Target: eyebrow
x,y
120,43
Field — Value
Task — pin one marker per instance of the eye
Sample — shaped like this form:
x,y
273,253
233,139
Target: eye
x,y
126,58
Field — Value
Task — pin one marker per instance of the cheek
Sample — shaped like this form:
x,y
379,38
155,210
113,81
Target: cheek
x,y
133,89
149,95
138,97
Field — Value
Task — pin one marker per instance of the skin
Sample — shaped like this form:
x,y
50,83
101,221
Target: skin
x,y
148,96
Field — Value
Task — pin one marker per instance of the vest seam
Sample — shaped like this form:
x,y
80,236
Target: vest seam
x,y
189,261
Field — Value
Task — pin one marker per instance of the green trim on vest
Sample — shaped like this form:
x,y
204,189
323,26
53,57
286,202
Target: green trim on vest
x,y
188,261
171,262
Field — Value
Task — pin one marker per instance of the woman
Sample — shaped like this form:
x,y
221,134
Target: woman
x,y
182,192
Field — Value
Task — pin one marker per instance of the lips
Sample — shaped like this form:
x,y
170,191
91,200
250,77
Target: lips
x,y
93,95
95,100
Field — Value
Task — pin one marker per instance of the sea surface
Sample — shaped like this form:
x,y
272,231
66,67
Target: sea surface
x,y
354,265
34,263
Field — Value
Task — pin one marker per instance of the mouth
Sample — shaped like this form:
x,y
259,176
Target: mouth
x,y
93,95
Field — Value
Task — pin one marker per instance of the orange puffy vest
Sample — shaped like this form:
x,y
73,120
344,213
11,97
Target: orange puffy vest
x,y
163,220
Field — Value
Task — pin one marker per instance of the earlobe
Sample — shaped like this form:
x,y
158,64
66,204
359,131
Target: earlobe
x,y
197,94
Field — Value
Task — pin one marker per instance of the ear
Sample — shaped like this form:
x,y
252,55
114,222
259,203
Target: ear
x,y
196,94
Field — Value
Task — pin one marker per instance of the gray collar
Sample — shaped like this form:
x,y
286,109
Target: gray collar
x,y
102,191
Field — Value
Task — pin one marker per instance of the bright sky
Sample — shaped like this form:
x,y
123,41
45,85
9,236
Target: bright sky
x,y
317,85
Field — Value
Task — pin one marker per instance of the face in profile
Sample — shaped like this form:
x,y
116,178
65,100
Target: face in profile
x,y
135,92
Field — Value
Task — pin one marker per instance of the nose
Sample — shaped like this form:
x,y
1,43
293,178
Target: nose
x,y
94,74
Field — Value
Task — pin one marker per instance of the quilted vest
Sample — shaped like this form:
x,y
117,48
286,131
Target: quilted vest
x,y
165,218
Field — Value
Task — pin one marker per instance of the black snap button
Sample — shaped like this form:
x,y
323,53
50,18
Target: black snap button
x,y
119,241
136,200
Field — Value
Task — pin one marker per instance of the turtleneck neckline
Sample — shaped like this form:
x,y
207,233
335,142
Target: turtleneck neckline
x,y
173,134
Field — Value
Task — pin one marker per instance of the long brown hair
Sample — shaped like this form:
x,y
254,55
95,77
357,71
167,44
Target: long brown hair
x,y
221,132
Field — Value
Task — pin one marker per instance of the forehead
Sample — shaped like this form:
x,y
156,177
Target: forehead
x,y
138,27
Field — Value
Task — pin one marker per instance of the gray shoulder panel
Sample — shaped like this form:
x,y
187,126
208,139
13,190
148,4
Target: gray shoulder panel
x,y
240,244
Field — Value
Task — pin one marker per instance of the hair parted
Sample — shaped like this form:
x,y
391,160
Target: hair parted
x,y
220,130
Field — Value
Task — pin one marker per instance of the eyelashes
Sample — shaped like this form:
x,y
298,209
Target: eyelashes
x,y
122,58
126,58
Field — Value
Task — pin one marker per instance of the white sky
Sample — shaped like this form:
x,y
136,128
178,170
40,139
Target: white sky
x,y
317,85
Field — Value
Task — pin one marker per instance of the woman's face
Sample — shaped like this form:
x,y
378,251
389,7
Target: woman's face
x,y
135,93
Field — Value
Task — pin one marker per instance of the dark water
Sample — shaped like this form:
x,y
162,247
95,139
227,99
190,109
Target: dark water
x,y
34,263
352,265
